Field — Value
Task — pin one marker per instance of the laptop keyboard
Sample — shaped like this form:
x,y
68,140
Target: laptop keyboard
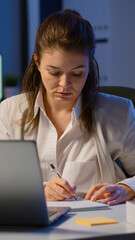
x,y
50,212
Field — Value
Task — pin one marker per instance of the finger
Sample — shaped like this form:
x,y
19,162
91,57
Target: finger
x,y
58,189
64,184
122,195
92,190
64,189
56,193
106,195
117,200
106,189
61,193
73,186
111,197
49,192
60,182
50,189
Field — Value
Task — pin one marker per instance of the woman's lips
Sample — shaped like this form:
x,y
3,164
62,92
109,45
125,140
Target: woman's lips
x,y
63,94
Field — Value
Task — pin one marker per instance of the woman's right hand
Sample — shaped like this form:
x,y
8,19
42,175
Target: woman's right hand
x,y
58,189
110,194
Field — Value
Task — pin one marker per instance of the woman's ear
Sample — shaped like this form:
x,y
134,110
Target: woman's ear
x,y
35,57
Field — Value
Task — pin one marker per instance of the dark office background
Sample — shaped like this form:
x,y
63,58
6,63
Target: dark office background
x,y
113,22
14,30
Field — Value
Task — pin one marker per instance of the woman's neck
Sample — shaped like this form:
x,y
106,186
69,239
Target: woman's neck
x,y
55,107
59,115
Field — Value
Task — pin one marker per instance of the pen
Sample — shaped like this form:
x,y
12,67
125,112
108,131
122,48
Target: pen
x,y
58,174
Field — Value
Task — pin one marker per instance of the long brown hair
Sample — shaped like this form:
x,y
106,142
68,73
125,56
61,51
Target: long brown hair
x,y
69,31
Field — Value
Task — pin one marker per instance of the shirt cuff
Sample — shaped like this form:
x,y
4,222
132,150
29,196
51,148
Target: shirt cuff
x,y
44,183
129,182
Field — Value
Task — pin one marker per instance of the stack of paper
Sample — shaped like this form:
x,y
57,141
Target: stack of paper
x,y
79,205
130,211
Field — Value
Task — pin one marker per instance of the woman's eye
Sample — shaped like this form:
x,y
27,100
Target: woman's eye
x,y
54,73
77,74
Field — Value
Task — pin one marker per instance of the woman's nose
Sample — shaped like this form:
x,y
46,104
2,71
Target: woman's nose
x,y
65,81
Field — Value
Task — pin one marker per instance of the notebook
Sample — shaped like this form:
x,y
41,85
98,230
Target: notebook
x,y
80,205
22,199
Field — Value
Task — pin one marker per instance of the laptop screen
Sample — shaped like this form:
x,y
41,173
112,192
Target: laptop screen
x,y
1,82
22,198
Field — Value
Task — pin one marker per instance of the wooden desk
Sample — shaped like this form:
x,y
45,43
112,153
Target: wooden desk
x,y
67,228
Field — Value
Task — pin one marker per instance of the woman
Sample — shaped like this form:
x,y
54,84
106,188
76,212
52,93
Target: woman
x,y
81,132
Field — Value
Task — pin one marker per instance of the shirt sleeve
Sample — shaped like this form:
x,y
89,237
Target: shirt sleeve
x,y
129,182
4,126
44,183
127,157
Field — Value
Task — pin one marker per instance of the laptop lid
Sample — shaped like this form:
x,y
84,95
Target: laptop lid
x,y
22,199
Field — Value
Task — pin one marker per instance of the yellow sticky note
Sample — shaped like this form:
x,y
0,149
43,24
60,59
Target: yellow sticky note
x,y
95,221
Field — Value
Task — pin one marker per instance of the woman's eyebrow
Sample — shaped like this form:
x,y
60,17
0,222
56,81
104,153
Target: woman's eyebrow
x,y
51,66
54,67
80,66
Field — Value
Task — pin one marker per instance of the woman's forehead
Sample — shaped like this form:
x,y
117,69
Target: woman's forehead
x,y
65,59
64,53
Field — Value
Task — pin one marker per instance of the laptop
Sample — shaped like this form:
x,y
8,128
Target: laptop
x,y
22,198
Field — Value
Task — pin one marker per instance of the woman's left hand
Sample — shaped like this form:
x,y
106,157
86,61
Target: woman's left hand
x,y
110,194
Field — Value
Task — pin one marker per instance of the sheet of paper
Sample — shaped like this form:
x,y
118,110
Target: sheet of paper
x,y
79,205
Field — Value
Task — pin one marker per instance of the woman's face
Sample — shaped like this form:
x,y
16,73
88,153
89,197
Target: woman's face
x,y
63,74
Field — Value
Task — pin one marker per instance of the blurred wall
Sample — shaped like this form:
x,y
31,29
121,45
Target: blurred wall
x,y
113,21
33,13
10,43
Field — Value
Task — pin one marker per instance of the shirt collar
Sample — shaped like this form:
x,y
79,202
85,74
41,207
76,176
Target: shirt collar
x,y
76,110
39,104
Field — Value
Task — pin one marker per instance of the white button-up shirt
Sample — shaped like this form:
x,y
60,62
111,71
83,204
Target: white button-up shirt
x,y
74,154
81,158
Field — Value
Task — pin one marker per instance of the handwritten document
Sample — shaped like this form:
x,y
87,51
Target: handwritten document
x,y
79,205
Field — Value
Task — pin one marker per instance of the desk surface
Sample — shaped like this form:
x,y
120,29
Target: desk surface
x,y
67,228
